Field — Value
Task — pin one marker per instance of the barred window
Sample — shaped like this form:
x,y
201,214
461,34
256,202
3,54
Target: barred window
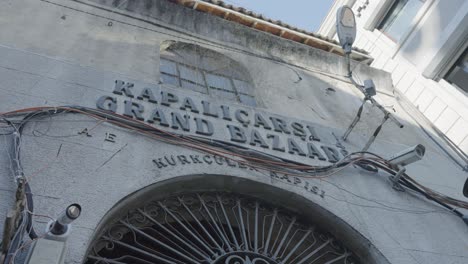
x,y
191,67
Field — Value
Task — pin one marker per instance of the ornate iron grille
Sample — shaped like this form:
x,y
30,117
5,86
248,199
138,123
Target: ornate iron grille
x,y
215,228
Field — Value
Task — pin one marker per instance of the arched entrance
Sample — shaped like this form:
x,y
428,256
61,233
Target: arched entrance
x,y
224,220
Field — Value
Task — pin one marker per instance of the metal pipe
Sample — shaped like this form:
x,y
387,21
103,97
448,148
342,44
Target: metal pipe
x,y
390,116
396,179
356,119
376,133
372,100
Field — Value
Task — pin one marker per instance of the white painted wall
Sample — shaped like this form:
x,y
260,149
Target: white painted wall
x,y
435,39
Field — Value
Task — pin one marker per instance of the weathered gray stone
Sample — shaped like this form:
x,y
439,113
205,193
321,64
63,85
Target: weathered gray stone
x,y
77,60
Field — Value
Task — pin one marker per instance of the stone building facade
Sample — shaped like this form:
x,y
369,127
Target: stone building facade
x,y
184,136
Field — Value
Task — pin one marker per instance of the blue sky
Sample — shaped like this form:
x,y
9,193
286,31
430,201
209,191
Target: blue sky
x,y
304,14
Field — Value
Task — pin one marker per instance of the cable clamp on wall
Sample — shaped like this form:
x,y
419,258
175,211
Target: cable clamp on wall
x,y
396,178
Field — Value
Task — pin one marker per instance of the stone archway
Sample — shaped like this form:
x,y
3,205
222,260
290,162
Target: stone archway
x,y
223,220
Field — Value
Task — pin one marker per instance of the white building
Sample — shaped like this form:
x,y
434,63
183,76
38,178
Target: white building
x,y
422,43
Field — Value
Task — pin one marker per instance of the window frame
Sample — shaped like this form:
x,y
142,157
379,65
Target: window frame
x,y
381,12
380,26
236,93
443,74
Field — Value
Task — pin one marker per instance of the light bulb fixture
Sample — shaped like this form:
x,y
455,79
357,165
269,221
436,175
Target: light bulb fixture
x,y
346,27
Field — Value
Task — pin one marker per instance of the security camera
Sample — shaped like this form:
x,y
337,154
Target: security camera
x,y
408,156
52,247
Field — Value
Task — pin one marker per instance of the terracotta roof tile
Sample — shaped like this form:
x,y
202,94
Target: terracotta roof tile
x,y
272,21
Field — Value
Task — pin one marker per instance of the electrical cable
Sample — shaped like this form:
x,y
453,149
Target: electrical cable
x,y
245,156
242,155
26,218
30,205
184,140
410,183
453,146
407,181
16,241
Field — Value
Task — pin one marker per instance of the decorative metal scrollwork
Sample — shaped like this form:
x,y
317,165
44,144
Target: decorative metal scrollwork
x,y
236,259
216,228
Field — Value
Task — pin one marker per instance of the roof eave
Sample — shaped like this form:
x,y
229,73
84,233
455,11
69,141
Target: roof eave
x,y
266,26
